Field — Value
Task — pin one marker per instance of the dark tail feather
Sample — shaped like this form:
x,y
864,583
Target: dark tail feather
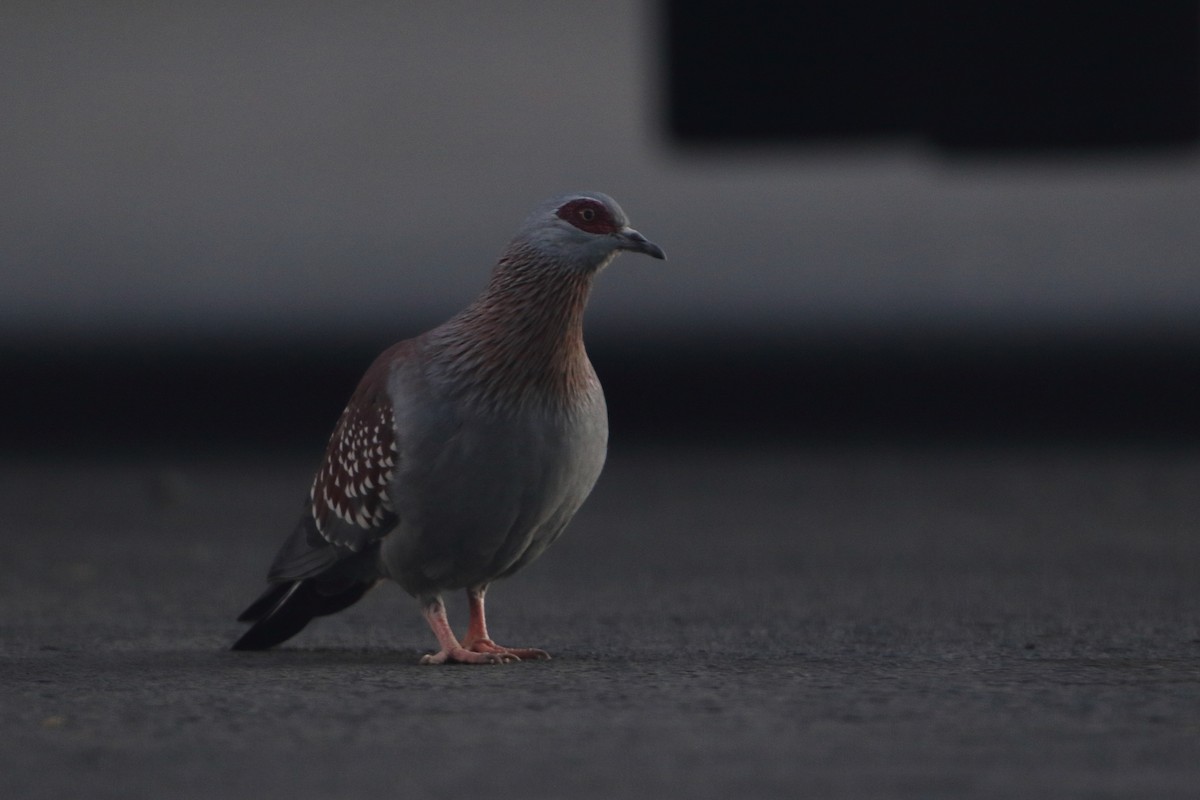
x,y
285,608
269,599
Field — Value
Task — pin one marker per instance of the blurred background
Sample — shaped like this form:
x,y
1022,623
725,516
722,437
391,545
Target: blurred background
x,y
902,237
884,220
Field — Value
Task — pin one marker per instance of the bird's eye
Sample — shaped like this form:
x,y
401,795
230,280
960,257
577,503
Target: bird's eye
x,y
587,215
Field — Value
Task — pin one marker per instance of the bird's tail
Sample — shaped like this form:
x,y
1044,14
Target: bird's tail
x,y
286,607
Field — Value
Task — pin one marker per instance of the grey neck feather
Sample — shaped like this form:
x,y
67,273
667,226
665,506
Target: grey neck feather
x,y
521,341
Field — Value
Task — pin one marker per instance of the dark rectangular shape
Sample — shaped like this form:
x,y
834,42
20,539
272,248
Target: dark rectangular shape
x,y
983,75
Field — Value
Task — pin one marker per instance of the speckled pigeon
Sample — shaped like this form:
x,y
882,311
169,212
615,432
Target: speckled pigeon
x,y
464,452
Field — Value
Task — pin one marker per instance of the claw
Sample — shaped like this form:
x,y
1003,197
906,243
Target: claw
x,y
518,653
460,655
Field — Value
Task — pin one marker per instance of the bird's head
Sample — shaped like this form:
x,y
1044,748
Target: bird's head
x,y
584,230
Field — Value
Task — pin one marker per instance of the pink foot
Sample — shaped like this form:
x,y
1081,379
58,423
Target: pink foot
x,y
477,639
518,653
460,655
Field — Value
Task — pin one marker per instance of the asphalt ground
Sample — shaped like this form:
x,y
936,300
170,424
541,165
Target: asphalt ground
x,y
826,621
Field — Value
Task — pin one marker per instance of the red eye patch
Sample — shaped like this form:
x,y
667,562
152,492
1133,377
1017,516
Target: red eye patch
x,y
588,215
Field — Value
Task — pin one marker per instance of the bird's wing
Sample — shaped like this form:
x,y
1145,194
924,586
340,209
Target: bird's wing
x,y
349,499
348,508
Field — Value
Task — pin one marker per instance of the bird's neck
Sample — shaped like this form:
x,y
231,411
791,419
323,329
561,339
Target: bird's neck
x,y
521,341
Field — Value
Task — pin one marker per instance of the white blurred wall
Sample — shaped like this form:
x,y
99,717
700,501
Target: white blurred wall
x,y
206,168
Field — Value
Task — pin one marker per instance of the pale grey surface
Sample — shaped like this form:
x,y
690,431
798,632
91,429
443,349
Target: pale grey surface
x,y
190,169
726,623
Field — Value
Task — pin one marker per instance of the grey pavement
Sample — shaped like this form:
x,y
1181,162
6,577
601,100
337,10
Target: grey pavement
x,y
796,622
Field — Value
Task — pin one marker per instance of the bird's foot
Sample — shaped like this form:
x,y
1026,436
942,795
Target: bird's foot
x,y
461,655
518,653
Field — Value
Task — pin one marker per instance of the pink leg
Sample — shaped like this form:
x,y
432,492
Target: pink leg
x,y
477,639
435,614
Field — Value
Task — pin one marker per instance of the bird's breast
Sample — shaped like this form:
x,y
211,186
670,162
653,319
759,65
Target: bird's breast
x,y
476,489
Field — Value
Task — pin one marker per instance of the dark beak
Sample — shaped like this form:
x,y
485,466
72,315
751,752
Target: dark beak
x,y
634,242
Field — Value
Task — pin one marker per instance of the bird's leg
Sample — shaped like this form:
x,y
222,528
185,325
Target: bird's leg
x,y
435,614
477,639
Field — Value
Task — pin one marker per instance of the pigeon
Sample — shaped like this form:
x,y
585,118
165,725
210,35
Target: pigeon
x,y
464,452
